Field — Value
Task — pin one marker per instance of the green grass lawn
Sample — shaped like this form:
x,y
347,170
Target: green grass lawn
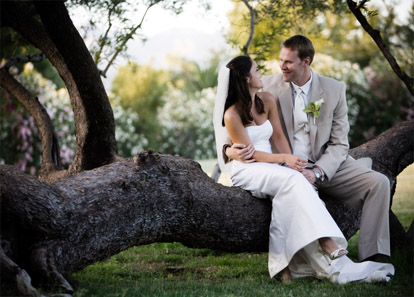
x,y
170,269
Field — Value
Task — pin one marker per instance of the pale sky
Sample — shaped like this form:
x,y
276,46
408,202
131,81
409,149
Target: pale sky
x,y
191,34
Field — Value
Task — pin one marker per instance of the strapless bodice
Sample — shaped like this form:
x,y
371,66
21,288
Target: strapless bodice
x,y
260,136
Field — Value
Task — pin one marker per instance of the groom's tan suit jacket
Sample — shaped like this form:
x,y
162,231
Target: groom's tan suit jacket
x,y
329,132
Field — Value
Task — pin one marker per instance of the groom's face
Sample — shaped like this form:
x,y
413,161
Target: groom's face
x,y
293,68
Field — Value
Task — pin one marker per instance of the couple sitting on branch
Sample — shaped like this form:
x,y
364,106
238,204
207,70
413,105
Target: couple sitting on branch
x,y
287,135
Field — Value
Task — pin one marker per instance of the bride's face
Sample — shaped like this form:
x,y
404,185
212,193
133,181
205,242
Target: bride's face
x,y
255,79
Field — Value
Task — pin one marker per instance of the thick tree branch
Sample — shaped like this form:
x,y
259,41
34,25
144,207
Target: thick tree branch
x,y
376,36
50,145
391,152
99,146
35,33
390,157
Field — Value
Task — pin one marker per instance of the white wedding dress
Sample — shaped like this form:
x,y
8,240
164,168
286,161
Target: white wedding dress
x,y
299,218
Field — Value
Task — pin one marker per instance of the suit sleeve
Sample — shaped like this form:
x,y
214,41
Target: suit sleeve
x,y
337,147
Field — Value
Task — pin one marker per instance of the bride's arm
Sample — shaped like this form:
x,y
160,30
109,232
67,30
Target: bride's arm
x,y
238,134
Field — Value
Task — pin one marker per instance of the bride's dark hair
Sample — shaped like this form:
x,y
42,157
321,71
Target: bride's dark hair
x,y
238,94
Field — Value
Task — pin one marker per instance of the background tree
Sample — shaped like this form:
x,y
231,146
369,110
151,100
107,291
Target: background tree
x,y
173,107
188,113
357,8
95,143
123,20
142,89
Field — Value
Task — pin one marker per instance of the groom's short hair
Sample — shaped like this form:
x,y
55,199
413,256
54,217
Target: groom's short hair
x,y
302,44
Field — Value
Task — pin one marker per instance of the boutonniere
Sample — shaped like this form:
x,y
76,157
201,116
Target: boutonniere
x,y
313,109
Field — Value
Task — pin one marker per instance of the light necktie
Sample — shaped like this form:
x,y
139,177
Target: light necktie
x,y
299,116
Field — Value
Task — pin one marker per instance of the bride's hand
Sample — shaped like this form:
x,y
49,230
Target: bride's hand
x,y
241,152
295,162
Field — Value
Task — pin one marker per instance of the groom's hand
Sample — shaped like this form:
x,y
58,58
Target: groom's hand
x,y
309,175
241,152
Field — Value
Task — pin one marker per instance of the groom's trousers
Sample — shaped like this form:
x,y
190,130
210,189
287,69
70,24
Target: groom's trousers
x,y
364,189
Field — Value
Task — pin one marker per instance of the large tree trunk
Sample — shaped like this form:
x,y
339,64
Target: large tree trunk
x,y
52,230
60,41
99,144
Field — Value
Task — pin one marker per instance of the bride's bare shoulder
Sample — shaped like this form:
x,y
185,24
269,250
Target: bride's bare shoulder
x,y
231,115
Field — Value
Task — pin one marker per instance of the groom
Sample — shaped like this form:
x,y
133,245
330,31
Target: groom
x,y
323,140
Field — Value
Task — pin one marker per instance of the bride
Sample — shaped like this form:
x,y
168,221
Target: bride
x,y
304,240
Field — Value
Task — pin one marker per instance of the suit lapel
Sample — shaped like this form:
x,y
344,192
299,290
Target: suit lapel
x,y
285,98
316,93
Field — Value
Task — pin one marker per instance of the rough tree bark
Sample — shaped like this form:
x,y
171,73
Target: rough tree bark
x,y
52,230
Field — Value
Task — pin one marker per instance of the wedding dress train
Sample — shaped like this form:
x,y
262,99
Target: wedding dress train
x,y
299,218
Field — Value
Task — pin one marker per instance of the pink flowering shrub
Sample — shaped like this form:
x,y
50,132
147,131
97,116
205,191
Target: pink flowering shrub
x,y
20,142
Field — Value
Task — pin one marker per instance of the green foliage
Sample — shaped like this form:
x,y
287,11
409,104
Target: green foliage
x,y
129,140
142,90
168,111
139,86
187,116
329,24
341,37
277,20
398,36
388,102
356,86
187,124
191,77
